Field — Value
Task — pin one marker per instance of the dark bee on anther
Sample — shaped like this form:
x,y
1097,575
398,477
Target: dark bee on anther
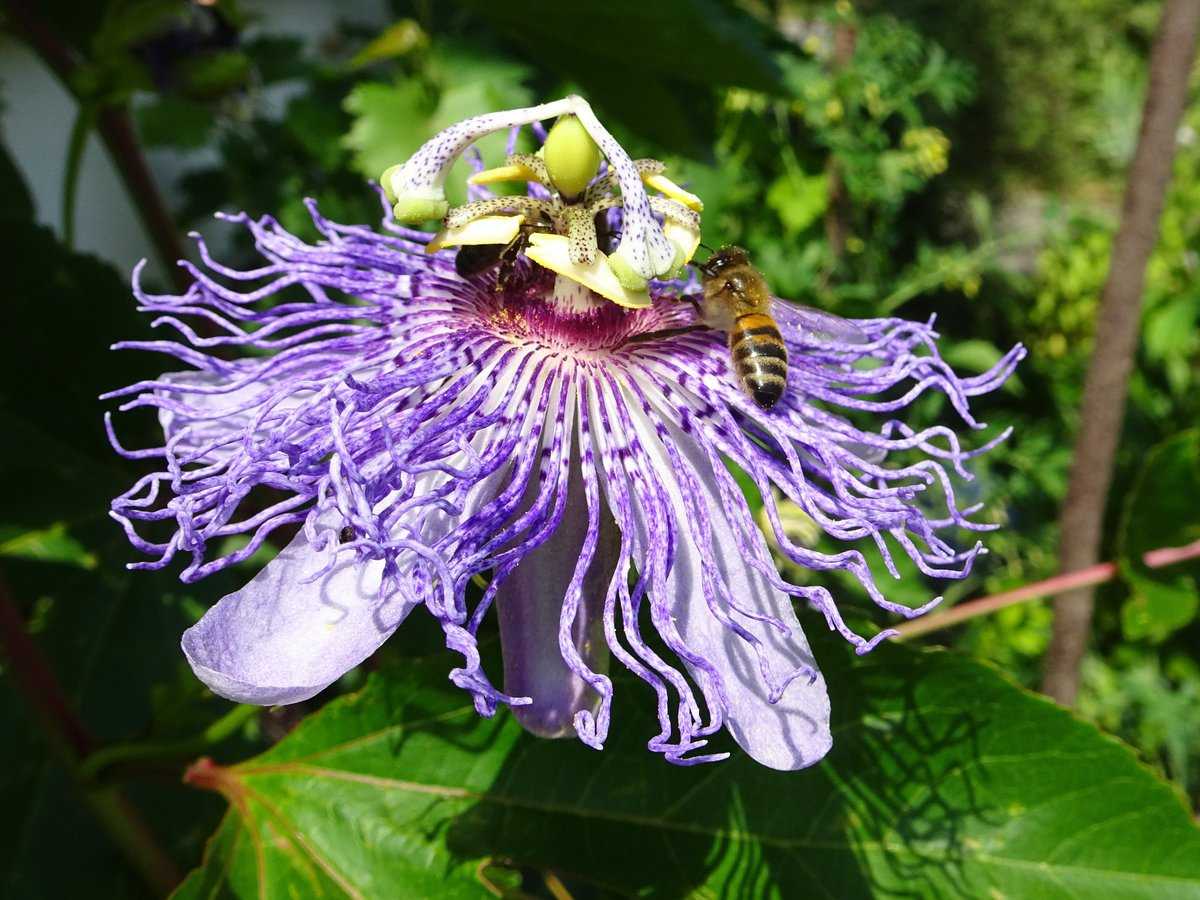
x,y
475,259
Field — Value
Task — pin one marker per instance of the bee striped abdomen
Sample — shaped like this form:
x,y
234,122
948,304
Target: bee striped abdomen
x,y
759,357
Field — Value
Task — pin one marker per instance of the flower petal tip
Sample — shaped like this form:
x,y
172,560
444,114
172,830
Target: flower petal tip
x,y
285,637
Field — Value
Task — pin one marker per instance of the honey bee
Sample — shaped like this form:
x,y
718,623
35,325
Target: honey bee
x,y
475,259
737,300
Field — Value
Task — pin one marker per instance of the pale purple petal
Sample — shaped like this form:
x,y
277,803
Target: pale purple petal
x,y
775,702
283,638
793,732
530,608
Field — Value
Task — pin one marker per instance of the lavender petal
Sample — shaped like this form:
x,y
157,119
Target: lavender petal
x,y
282,638
530,605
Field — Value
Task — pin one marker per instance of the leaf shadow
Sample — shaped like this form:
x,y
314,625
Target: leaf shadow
x,y
909,773
887,814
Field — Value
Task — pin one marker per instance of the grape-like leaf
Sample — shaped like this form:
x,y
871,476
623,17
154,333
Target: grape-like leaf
x,y
945,780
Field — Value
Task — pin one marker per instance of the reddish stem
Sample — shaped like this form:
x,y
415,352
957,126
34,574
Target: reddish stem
x,y
1059,584
36,681
69,739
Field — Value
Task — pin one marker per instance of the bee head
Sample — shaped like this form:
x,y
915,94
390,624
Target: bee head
x,y
724,258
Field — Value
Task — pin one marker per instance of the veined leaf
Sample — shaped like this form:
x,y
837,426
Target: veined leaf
x,y
945,780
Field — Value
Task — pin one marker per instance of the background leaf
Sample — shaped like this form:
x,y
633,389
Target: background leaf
x,y
1161,512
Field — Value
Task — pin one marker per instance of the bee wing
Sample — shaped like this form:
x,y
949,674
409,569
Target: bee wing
x,y
822,326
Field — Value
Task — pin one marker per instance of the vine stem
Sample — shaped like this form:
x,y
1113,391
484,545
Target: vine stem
x,y
187,748
1059,584
116,131
84,119
70,742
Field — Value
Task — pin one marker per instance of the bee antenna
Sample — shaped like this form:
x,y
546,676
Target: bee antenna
x,y
706,247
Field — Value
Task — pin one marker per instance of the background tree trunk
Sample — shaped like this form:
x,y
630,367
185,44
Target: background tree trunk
x,y
1106,387
837,214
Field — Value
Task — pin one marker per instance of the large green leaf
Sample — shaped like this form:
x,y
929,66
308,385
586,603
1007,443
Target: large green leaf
x,y
1161,512
700,41
393,120
647,66
945,780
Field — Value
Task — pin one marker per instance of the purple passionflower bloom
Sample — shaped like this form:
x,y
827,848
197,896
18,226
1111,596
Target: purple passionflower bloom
x,y
423,429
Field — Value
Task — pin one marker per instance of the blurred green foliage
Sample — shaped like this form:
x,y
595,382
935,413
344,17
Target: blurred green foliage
x,y
916,158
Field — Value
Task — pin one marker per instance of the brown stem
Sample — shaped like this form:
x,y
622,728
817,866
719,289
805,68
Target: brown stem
x,y
69,740
116,130
1106,387
837,212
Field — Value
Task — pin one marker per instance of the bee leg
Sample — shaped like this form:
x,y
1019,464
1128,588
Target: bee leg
x,y
665,333
508,263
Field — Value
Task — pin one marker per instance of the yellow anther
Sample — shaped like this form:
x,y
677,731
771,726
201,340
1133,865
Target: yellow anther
x,y
484,230
552,251
503,173
665,185
686,241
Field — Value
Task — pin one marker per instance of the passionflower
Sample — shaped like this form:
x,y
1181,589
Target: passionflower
x,y
530,446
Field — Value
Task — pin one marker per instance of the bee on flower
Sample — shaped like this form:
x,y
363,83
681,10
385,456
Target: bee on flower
x,y
552,413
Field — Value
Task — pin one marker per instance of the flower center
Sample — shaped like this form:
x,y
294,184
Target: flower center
x,y
562,315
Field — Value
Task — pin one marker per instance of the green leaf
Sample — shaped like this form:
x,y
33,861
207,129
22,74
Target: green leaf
x,y
390,122
798,199
55,461
1170,329
1161,512
110,636
318,127
669,55
1159,606
127,24
945,780
214,74
278,58
973,356
175,122
51,544
699,41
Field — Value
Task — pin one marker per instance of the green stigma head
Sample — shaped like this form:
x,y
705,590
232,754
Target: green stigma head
x,y
572,157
